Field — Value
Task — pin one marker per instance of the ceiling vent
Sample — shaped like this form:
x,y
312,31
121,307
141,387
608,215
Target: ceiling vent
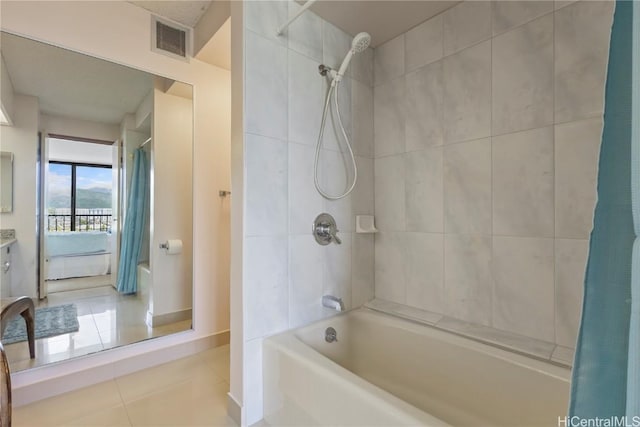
x,y
170,39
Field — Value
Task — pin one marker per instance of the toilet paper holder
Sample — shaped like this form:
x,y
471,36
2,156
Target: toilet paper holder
x,y
172,246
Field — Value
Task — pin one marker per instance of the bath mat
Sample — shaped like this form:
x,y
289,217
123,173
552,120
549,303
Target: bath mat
x,y
50,321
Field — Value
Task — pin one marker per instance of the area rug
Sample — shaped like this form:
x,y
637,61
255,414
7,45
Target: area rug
x,y
50,321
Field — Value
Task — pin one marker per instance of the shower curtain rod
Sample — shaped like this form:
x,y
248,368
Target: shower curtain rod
x,y
304,7
145,143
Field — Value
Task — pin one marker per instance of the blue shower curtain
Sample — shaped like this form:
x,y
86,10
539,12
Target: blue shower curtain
x,y
133,230
633,368
605,375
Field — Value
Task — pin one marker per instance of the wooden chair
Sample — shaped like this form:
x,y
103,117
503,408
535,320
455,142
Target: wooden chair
x,y
5,390
11,307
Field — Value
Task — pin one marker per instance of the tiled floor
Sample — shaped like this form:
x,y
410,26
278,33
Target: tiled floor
x,y
186,392
107,319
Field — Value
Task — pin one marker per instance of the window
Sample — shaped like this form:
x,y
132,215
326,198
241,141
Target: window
x,y
78,197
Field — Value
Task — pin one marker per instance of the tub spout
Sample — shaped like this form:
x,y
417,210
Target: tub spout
x,y
335,303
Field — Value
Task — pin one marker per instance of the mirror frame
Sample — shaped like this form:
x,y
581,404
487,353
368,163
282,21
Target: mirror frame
x,y
192,267
7,208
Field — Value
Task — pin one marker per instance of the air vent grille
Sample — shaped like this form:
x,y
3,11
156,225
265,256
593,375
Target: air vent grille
x,y
172,40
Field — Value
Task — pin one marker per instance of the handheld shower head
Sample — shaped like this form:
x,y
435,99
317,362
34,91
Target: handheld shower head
x,y
360,42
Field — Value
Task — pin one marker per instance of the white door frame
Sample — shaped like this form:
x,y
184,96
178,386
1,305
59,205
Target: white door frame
x,y
44,175
116,180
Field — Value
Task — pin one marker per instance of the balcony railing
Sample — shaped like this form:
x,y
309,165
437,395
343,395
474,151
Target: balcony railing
x,y
80,221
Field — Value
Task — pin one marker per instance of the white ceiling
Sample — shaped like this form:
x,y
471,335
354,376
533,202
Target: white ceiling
x,y
383,19
185,12
73,85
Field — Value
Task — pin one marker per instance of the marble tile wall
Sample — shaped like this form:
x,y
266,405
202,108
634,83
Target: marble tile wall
x,y
285,272
487,131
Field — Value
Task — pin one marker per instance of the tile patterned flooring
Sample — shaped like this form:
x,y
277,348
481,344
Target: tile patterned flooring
x,y
107,320
186,392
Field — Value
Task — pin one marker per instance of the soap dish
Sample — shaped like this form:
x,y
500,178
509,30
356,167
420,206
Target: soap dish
x,y
365,224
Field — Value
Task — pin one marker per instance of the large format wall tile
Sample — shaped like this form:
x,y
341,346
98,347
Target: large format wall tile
x,y
423,44
508,14
306,99
423,119
333,137
582,32
266,186
522,166
424,271
423,190
362,269
466,24
336,274
362,67
577,149
305,33
389,112
389,190
389,267
467,187
508,174
266,285
305,280
571,263
336,43
265,86
264,18
362,114
388,61
559,4
468,278
362,198
523,77
467,94
336,175
305,203
285,272
523,295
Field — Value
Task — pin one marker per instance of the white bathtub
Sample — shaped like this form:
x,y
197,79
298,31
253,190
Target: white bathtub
x,y
77,254
387,371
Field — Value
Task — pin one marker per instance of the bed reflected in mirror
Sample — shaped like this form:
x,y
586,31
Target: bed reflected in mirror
x,y
108,151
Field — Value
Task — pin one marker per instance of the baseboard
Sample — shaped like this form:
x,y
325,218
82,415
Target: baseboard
x,y
167,318
234,410
220,339
34,390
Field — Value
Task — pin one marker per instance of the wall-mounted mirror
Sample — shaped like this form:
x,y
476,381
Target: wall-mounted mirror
x,y
108,150
6,181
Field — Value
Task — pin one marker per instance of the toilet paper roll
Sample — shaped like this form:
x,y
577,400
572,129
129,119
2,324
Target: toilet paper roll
x,y
174,246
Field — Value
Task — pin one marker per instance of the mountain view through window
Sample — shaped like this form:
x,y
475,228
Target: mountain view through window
x,y
78,197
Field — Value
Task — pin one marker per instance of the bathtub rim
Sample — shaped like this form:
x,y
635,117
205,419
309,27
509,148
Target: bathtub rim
x,y
507,354
507,340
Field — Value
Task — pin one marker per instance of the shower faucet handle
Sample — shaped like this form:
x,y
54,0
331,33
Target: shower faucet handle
x,y
334,235
325,230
